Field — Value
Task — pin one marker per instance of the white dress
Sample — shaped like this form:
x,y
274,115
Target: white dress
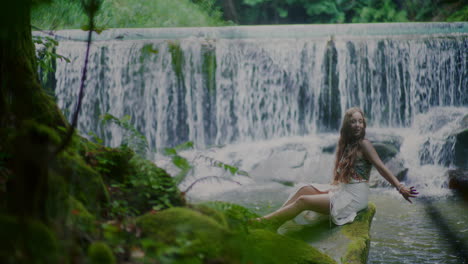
x,y
346,199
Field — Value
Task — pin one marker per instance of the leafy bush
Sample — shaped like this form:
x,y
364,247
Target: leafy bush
x,y
132,137
63,14
46,55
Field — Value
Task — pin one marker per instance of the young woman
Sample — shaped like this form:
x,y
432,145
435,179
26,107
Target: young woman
x,y
348,194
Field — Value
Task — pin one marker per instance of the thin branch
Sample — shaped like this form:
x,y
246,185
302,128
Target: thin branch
x,y
218,178
72,128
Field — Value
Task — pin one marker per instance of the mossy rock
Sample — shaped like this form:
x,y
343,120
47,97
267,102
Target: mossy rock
x,y
237,216
204,238
359,234
57,206
268,247
100,253
349,243
26,241
195,232
80,219
84,183
213,213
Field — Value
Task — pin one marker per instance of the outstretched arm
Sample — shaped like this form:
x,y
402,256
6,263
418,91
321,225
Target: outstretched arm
x,y
369,152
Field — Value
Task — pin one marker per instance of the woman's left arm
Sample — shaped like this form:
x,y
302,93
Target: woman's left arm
x,y
369,152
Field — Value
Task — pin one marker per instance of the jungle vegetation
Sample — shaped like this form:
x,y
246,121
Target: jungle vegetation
x,y
61,14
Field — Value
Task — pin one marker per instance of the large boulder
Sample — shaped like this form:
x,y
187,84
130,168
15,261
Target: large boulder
x,y
449,148
100,253
461,148
217,232
82,181
458,181
386,139
349,243
27,241
196,234
386,145
397,167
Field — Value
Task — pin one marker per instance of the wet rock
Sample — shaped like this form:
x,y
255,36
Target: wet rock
x,y
387,146
396,165
386,151
458,180
461,148
385,139
451,149
329,149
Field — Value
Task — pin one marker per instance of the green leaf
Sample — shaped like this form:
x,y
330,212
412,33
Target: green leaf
x,y
170,152
184,146
181,162
254,2
282,12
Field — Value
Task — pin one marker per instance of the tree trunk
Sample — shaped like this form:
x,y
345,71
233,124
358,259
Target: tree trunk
x,y
22,97
24,108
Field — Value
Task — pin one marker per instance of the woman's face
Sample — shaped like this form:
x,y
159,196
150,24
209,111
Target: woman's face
x,y
357,124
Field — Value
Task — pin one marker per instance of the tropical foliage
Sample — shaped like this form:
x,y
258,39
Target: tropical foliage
x,y
341,11
61,14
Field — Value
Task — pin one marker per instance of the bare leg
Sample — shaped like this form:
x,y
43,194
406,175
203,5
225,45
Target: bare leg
x,y
306,190
318,203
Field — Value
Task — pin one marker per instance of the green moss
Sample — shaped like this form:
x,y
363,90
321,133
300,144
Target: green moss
x,y
80,219
84,183
237,216
31,241
215,214
57,205
100,253
191,232
269,247
177,59
358,232
209,69
188,236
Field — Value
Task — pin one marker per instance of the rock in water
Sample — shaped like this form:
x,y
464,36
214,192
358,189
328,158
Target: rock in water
x,y
458,180
349,243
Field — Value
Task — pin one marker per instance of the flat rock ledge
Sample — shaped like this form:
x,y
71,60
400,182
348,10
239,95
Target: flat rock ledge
x,y
349,243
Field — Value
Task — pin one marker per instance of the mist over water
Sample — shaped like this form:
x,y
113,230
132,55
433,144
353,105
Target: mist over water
x,y
269,100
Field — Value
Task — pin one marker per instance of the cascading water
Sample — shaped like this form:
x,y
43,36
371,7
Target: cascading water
x,y
269,100
217,86
227,89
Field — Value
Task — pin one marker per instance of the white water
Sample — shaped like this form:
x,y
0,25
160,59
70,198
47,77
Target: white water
x,y
264,88
301,159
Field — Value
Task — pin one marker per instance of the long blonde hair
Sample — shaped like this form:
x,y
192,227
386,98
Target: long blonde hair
x,y
348,147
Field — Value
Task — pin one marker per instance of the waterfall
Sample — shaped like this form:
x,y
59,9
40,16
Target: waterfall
x,y
217,86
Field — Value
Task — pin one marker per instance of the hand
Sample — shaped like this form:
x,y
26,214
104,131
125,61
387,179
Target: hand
x,y
407,192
